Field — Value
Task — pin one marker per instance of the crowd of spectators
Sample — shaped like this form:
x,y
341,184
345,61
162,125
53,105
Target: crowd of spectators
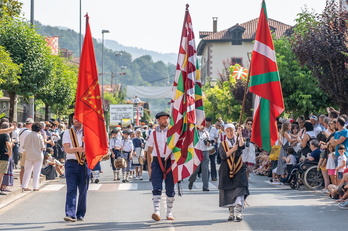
x,y
33,147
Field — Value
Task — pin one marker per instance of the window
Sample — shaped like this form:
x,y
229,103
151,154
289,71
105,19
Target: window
x,y
237,37
236,60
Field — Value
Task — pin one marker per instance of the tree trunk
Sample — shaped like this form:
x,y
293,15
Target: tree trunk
x,y
344,108
46,111
13,106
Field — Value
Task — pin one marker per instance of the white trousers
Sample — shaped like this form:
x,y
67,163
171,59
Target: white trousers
x,y
29,167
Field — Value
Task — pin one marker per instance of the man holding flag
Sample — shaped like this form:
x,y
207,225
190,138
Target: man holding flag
x,y
160,167
85,143
76,173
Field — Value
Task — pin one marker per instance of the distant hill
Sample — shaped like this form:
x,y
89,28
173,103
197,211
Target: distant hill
x,y
138,52
69,40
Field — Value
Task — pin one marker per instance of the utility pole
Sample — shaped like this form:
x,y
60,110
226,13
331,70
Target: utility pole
x,y
31,98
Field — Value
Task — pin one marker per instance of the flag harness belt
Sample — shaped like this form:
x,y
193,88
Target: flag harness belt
x,y
80,156
159,156
234,167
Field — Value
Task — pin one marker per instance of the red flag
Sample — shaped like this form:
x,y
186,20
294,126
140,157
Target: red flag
x,y
89,107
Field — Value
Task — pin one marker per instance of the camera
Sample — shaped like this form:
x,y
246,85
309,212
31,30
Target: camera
x,y
208,142
247,142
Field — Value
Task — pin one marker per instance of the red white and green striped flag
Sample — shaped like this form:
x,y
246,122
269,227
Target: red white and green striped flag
x,y
186,107
265,84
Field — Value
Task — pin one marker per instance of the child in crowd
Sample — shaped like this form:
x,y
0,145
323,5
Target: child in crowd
x,y
330,165
58,165
290,160
51,166
341,161
264,164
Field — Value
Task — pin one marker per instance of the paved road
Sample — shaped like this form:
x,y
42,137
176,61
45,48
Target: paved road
x,y
117,206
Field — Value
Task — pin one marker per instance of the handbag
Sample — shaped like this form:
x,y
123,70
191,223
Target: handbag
x,y
286,145
274,153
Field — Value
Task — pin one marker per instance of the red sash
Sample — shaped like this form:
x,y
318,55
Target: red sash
x,y
159,156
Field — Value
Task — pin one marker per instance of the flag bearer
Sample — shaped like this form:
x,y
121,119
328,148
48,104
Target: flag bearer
x,y
160,167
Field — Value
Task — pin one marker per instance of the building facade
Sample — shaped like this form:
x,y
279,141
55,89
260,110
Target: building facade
x,y
231,45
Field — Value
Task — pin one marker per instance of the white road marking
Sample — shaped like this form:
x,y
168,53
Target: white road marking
x,y
94,187
128,186
200,185
53,187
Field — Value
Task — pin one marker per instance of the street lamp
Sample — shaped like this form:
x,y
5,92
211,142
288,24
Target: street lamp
x,y
103,32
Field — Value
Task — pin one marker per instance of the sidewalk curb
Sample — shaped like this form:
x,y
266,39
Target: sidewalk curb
x,y
16,190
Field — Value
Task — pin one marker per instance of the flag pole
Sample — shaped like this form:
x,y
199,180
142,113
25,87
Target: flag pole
x,y
245,93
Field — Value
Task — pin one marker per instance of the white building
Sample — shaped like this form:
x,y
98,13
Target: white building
x,y
232,44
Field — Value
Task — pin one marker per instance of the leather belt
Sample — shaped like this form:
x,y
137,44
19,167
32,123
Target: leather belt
x,y
155,158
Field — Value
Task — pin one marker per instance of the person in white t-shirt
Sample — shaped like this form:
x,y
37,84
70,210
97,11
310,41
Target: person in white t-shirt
x,y
22,134
341,161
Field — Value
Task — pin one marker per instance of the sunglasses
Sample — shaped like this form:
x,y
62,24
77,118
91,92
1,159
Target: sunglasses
x,y
249,124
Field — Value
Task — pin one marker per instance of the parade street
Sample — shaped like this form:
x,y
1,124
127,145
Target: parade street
x,y
128,206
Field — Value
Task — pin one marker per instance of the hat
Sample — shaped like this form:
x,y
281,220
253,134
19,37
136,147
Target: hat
x,y
126,132
208,119
229,126
118,128
114,131
29,121
158,115
54,123
314,117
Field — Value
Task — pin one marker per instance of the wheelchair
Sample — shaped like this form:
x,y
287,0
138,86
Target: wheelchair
x,y
306,174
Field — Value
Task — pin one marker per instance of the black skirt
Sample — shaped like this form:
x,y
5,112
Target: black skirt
x,y
229,196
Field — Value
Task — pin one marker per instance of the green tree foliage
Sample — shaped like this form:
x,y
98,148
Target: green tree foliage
x,y
11,8
319,42
27,48
225,99
301,92
9,71
59,93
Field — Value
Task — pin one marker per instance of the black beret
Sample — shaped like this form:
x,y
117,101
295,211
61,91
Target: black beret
x,y
126,132
158,115
114,131
208,119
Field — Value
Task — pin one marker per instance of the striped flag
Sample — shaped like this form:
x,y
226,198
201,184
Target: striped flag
x,y
265,84
186,107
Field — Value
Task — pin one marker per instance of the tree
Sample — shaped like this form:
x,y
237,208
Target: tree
x,y
27,48
319,42
301,91
10,8
59,93
9,71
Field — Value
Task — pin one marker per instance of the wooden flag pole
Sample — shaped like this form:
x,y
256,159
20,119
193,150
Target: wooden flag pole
x,y
245,93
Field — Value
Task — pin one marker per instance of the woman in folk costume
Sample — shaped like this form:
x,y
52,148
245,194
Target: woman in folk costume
x,y
233,181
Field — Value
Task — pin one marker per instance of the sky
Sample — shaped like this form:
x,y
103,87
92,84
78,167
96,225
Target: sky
x,y
156,24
